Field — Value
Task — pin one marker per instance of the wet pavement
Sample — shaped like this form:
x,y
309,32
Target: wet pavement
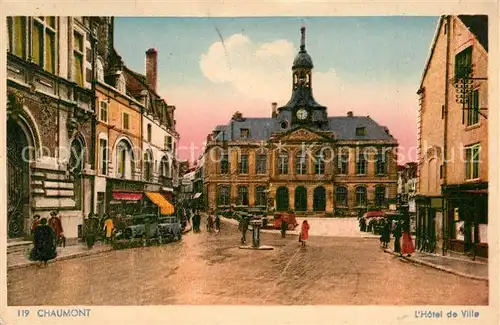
x,y
205,269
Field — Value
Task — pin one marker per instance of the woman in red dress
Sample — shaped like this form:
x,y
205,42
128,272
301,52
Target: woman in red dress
x,y
407,248
304,233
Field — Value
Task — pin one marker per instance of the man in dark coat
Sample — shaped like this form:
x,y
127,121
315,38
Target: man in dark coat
x,y
44,243
284,227
245,222
397,237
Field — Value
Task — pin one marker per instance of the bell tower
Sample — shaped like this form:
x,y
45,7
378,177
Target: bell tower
x,y
302,65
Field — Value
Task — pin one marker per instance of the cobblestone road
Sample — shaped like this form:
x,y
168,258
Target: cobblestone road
x,y
206,269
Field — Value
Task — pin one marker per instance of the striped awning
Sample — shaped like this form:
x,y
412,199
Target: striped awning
x,y
166,208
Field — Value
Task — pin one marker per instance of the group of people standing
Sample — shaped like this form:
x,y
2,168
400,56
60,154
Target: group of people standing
x,y
194,216
398,229
46,235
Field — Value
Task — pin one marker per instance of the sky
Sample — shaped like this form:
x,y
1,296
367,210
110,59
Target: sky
x,y
367,65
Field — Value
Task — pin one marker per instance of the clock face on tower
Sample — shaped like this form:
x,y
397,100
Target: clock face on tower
x,y
302,114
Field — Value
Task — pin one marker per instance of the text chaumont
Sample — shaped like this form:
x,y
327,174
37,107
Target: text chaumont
x,y
70,312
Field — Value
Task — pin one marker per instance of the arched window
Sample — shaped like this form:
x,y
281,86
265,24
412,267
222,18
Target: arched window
x,y
300,199
283,163
380,196
260,196
148,161
301,163
282,199
361,196
224,195
124,160
121,83
341,196
100,69
165,167
319,163
242,195
319,203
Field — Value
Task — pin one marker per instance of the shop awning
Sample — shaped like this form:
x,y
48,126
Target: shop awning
x,y
166,207
127,196
197,195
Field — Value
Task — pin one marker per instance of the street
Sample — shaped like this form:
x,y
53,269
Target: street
x,y
206,269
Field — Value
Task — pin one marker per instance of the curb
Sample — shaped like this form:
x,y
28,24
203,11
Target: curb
x,y
438,267
62,258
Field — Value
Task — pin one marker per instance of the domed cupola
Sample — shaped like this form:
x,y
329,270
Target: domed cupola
x,y
303,59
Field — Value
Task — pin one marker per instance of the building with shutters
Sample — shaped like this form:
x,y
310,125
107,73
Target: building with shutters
x,y
299,158
452,187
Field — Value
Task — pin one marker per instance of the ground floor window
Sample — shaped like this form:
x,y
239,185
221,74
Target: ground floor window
x,y
319,203
282,199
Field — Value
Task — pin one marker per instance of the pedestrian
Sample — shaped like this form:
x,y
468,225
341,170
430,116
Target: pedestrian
x,y
397,238
217,222
304,233
35,223
196,221
385,238
44,248
245,221
108,227
408,247
284,227
56,224
363,224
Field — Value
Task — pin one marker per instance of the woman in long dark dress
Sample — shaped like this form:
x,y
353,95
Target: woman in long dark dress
x,y
44,243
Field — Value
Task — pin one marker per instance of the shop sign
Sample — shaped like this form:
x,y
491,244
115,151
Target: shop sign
x,y
436,203
460,230
392,207
456,214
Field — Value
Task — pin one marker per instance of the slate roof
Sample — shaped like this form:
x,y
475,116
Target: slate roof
x,y
302,96
344,128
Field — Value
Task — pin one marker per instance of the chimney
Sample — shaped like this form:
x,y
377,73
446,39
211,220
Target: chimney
x,y
349,113
152,68
274,111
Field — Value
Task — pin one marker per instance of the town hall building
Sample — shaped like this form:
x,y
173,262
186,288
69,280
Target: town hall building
x,y
300,159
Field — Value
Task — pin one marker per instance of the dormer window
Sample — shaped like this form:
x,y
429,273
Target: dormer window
x,y
283,125
244,133
360,131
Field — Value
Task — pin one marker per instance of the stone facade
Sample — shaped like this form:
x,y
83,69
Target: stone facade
x,y
50,111
452,187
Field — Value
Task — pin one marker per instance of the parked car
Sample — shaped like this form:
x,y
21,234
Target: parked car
x,y
169,226
142,225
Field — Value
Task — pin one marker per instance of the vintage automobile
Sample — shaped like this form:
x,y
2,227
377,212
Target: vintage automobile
x,y
288,217
169,227
140,225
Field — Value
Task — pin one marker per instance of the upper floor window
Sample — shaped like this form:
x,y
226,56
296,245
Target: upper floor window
x,y
224,163
78,46
301,163
360,131
243,164
319,163
343,163
473,111
150,132
99,69
472,154
103,148
283,163
121,85
244,133
261,164
125,121
44,42
361,164
103,111
17,36
463,63
380,163
168,142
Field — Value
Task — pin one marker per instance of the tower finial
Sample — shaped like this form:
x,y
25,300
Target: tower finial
x,y
303,38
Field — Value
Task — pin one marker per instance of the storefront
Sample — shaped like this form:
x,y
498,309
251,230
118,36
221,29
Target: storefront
x,y
467,209
430,222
